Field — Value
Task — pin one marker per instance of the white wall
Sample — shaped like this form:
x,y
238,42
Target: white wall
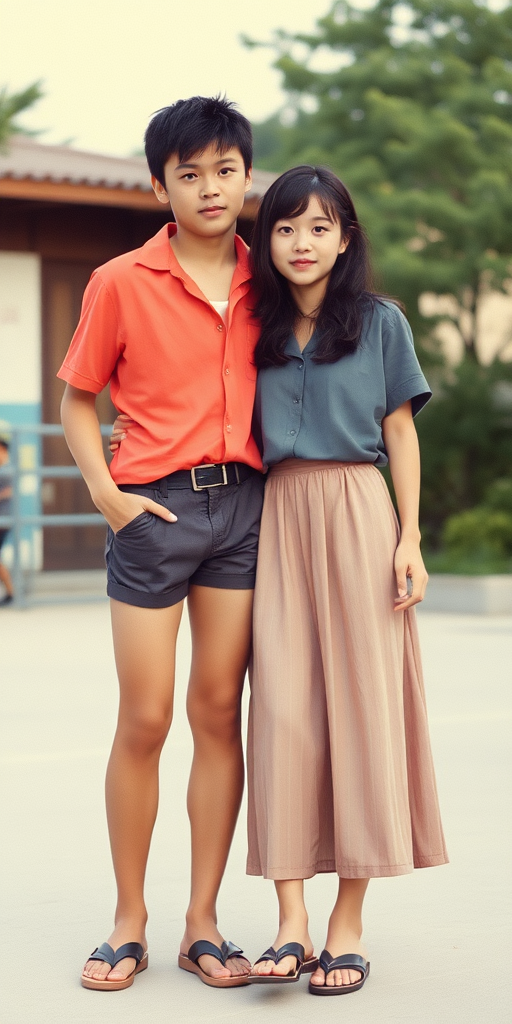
x,y
20,328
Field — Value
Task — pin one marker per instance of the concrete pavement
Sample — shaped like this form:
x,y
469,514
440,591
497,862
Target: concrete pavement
x,y
439,939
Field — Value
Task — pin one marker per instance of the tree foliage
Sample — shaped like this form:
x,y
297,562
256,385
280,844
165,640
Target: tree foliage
x,y
417,120
14,103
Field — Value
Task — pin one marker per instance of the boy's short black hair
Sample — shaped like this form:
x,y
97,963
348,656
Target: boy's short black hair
x,y
190,126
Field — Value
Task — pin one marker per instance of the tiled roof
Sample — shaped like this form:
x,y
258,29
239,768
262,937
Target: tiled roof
x,y
26,159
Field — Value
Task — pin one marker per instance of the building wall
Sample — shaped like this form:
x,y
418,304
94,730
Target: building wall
x,y
20,377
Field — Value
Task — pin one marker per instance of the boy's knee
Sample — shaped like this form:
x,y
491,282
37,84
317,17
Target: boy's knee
x,y
145,732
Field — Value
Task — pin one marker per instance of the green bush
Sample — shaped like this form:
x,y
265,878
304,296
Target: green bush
x,y
499,496
479,531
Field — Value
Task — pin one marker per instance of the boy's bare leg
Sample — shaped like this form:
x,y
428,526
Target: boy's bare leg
x,y
145,645
221,623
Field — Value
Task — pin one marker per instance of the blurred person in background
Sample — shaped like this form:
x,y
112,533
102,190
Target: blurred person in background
x,y
5,510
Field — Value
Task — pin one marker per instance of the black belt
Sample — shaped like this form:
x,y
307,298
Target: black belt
x,y
199,478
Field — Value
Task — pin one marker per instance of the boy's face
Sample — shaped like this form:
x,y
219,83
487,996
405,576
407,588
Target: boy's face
x,y
206,192
4,455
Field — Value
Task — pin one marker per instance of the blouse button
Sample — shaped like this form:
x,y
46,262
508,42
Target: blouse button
x,y
220,327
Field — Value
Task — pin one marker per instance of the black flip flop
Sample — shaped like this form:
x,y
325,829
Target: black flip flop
x,y
303,966
350,962
228,951
105,954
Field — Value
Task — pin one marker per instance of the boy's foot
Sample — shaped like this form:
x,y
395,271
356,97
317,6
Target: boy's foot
x,y
290,931
125,931
208,931
340,941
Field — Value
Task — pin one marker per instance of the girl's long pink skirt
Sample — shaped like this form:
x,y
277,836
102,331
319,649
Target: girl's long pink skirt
x,y
339,762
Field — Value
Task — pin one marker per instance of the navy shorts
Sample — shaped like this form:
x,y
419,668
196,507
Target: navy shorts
x,y
152,562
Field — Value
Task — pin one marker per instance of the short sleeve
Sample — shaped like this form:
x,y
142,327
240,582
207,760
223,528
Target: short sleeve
x,y
96,344
403,375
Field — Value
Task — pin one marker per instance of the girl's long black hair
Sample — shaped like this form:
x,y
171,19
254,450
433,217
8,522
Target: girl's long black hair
x,y
349,291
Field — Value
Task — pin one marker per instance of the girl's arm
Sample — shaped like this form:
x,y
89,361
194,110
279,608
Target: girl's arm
x,y
401,443
81,427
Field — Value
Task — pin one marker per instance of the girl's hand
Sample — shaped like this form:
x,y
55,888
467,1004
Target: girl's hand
x,y
411,575
120,429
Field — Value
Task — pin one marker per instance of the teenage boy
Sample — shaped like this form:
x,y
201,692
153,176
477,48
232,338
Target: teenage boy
x,y
168,325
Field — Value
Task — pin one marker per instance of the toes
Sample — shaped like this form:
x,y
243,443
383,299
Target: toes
x,y
213,968
265,967
318,978
119,973
285,966
96,969
238,966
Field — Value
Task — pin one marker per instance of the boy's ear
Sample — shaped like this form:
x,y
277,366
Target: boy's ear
x,y
159,190
248,180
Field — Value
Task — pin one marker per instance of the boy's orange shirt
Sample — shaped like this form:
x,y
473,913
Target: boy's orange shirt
x,y
185,377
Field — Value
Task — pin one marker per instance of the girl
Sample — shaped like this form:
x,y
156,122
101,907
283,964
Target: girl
x,y
339,763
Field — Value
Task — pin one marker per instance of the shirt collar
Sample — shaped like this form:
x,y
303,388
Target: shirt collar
x,y
157,254
292,346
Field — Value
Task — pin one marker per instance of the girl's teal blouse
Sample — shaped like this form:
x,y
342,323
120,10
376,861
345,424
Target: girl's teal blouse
x,y
308,410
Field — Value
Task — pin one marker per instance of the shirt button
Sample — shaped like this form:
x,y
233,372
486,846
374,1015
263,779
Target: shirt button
x,y
293,432
229,428
220,327
226,370
295,401
300,366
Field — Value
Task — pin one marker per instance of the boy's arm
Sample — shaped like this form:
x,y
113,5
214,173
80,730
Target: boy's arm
x,y
81,428
403,451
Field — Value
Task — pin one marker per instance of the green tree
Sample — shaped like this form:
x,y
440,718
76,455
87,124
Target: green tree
x,y
417,120
12,104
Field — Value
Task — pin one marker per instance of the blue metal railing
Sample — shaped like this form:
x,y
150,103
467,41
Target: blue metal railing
x,y
15,472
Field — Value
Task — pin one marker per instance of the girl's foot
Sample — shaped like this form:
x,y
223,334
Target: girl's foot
x,y
291,930
207,930
126,930
340,941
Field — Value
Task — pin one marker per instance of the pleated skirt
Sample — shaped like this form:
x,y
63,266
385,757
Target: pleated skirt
x,y
340,772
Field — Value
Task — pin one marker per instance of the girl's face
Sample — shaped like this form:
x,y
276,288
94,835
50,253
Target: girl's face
x,y
304,249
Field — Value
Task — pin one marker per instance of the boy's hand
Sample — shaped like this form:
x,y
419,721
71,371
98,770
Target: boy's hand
x,y
411,575
121,426
121,508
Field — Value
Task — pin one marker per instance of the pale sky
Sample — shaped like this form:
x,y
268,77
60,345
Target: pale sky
x,y
108,64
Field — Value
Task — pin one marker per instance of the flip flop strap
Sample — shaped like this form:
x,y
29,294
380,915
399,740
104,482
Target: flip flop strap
x,y
289,949
230,952
106,954
203,947
132,949
349,961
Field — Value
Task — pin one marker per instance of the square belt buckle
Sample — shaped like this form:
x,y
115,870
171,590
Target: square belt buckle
x,y
211,465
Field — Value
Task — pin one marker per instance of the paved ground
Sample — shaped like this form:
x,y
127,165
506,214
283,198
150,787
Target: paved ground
x,y
437,938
